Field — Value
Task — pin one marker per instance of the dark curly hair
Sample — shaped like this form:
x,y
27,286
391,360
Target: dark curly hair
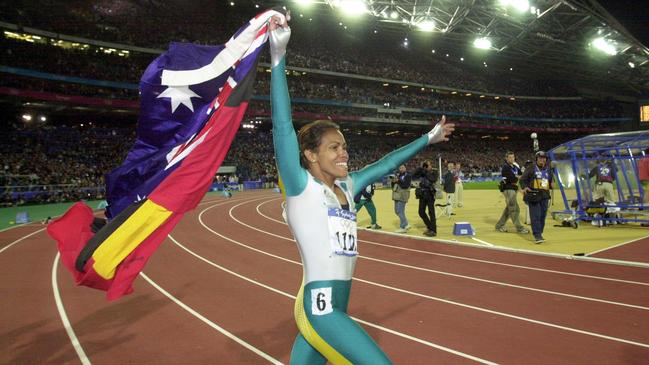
x,y
310,136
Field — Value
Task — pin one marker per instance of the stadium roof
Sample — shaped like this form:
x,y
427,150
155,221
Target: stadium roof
x,y
576,40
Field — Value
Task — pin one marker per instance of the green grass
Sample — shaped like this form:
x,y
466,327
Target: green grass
x,y
484,185
40,212
37,212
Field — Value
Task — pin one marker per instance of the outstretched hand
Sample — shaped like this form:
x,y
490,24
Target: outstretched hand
x,y
279,34
277,21
441,131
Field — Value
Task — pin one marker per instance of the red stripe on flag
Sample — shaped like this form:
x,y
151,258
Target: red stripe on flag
x,y
184,188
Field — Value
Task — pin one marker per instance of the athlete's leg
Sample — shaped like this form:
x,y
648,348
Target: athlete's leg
x,y
304,354
325,325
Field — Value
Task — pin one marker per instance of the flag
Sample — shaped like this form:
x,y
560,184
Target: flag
x,y
192,101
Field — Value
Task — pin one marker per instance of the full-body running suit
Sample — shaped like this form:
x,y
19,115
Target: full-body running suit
x,y
325,233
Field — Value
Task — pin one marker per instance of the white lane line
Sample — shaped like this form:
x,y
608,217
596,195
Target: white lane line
x,y
215,326
63,315
20,239
477,260
280,292
497,283
441,299
618,245
483,242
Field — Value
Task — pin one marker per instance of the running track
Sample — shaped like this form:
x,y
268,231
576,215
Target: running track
x,y
220,290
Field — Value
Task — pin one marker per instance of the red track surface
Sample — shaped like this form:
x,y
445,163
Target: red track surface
x,y
233,262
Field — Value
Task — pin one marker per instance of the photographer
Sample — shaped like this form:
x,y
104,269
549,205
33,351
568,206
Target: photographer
x,y
509,186
401,195
536,183
426,195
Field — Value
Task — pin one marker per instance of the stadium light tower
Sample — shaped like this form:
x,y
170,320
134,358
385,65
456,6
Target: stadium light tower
x,y
520,5
426,25
604,46
304,2
482,43
351,7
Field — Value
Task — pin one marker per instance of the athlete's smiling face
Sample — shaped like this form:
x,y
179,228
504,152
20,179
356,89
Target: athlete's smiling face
x,y
329,161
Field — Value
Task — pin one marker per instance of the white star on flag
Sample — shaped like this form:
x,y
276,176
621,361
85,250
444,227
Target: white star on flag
x,y
179,95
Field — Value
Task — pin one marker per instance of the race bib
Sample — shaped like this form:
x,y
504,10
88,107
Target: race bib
x,y
342,231
321,301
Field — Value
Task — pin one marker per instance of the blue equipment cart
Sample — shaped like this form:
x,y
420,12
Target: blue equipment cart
x,y
576,164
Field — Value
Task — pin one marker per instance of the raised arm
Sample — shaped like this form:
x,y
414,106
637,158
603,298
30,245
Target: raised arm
x,y
287,150
392,160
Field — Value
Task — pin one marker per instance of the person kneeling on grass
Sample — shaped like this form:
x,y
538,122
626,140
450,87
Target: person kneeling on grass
x,y
364,199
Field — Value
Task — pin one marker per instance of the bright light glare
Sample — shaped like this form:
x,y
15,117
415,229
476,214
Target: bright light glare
x,y
304,2
604,46
482,43
353,7
43,118
631,64
426,25
27,117
394,14
520,5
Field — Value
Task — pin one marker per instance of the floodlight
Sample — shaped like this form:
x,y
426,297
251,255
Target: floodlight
x,y
426,25
394,14
482,43
353,7
27,117
604,46
631,64
43,118
520,5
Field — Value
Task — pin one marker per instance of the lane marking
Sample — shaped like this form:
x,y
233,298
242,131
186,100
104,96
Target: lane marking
x,y
20,239
618,245
525,319
497,283
63,315
280,292
203,319
476,260
483,242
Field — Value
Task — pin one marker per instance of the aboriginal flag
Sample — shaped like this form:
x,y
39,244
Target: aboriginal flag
x,y
193,98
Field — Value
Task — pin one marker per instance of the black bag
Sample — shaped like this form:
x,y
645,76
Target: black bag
x,y
501,186
534,196
419,193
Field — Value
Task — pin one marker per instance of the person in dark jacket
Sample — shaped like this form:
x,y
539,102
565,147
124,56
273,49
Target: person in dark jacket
x,y
511,172
448,182
401,195
604,173
426,195
536,182
364,199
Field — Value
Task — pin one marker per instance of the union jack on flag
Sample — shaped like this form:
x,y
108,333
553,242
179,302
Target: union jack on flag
x,y
193,98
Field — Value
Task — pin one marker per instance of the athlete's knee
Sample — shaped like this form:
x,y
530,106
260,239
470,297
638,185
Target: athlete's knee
x,y
304,354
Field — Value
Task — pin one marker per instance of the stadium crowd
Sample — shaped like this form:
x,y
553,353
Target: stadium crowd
x,y
68,161
74,157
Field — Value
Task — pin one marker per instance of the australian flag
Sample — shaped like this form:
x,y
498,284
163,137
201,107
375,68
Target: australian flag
x,y
193,98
